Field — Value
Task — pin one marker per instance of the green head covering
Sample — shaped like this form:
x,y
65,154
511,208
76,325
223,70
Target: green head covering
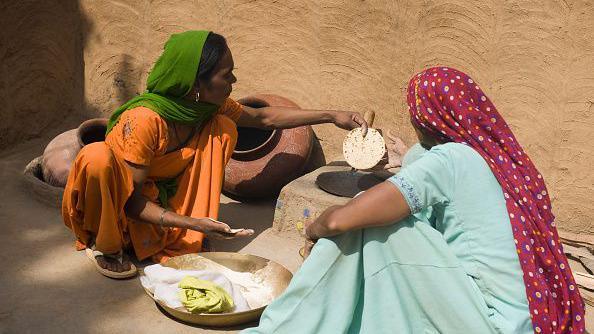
x,y
171,79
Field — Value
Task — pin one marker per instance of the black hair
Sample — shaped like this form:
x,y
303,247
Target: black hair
x,y
212,52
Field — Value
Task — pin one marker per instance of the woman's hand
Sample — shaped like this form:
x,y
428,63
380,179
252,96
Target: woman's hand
x,y
315,229
215,229
396,149
349,120
309,243
307,247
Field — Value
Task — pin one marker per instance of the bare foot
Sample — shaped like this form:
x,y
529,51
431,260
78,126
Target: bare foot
x,y
111,263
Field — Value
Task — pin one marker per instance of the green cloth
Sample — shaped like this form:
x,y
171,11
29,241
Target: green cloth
x,y
172,78
201,296
167,189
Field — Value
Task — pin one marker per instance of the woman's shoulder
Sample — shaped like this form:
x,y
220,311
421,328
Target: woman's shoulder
x,y
231,109
142,113
454,150
139,134
456,156
462,159
144,119
141,123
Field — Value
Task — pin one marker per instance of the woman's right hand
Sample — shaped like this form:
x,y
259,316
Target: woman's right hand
x,y
215,229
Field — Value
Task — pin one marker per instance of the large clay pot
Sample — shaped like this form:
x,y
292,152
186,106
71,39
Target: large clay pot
x,y
60,153
264,161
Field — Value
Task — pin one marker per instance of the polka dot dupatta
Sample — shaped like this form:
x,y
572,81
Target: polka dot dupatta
x,y
448,105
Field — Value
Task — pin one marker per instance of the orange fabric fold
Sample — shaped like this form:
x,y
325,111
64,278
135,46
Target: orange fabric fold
x,y
100,183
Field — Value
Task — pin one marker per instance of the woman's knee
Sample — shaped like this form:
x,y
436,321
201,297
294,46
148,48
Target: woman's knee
x,y
96,158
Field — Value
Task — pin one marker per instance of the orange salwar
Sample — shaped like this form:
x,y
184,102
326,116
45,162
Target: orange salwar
x,y
99,183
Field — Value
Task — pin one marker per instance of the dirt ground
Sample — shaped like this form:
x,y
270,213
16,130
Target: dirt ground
x,y
48,287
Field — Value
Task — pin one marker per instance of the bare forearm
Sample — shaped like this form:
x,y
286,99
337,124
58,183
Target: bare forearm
x,y
335,221
283,118
141,209
381,205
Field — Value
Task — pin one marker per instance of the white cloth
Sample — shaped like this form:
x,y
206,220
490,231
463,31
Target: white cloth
x,y
163,282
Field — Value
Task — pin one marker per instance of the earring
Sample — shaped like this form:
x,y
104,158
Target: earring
x,y
197,96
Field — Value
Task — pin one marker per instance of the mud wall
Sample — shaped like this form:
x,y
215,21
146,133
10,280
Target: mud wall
x,y
535,59
41,68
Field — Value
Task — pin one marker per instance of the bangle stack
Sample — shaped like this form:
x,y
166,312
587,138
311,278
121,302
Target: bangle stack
x,y
162,216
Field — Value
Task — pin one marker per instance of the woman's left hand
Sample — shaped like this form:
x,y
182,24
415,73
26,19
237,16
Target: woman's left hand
x,y
349,120
309,242
315,229
396,149
306,227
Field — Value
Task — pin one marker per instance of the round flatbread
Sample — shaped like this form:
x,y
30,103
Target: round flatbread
x,y
363,152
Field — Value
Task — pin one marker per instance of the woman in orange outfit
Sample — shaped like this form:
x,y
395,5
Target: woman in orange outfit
x,y
154,185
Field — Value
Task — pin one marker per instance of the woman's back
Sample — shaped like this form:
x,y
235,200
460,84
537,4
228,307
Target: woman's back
x,y
468,207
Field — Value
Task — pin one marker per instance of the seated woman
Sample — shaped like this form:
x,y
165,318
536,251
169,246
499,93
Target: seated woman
x,y
154,185
461,240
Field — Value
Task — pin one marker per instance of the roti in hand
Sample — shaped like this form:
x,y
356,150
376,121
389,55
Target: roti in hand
x,y
363,152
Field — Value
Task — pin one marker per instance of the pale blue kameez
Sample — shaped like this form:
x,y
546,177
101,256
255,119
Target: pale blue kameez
x,y
451,267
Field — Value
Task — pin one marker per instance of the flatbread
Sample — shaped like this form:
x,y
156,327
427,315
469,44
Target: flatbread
x,y
363,152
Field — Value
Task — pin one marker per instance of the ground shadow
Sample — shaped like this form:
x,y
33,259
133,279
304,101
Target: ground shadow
x,y
254,215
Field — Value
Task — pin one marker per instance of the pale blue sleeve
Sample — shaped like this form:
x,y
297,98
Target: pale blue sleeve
x,y
427,181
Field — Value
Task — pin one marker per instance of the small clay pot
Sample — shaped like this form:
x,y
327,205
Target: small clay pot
x,y
60,153
264,161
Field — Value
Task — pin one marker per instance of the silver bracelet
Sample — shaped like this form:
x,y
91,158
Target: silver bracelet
x,y
161,217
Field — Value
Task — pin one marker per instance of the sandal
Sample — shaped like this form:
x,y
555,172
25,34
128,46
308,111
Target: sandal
x,y
92,255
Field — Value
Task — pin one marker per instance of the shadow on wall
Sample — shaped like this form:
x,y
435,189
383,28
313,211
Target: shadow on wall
x,y
42,69
125,88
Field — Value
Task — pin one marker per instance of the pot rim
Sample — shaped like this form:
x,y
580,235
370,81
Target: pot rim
x,y
88,122
259,147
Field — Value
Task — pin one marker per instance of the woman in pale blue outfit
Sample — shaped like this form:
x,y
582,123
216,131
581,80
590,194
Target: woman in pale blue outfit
x,y
431,250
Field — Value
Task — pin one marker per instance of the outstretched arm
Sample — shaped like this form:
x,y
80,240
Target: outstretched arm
x,y
140,208
285,117
381,205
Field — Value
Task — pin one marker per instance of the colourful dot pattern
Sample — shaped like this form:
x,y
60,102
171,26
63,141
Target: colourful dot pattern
x,y
450,106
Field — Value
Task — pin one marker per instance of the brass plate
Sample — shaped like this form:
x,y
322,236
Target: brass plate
x,y
277,277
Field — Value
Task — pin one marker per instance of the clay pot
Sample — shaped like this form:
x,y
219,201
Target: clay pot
x,y
264,161
60,153
43,192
